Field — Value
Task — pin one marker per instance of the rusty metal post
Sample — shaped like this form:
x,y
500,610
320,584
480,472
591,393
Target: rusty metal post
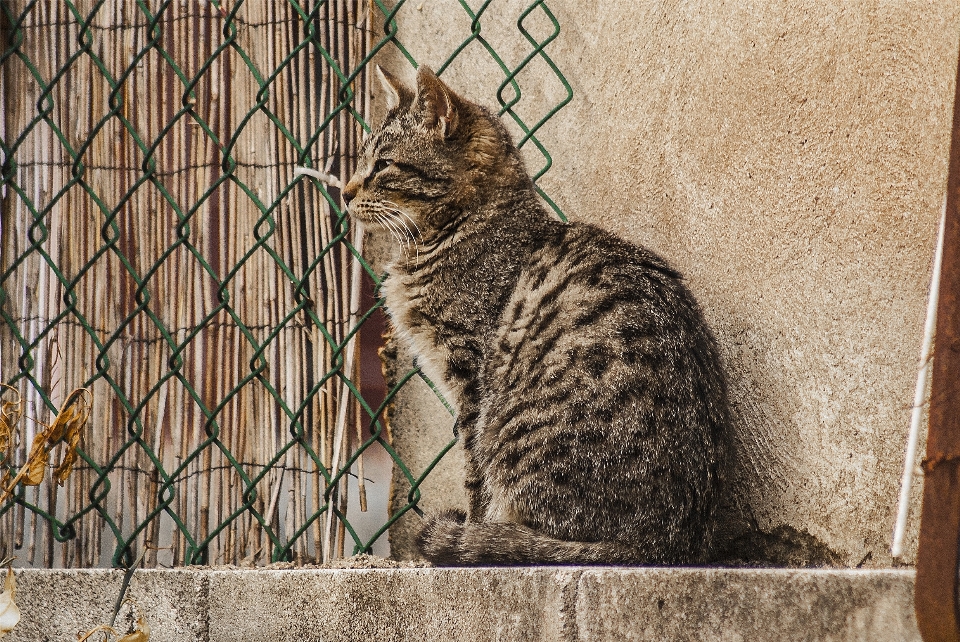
x,y
936,595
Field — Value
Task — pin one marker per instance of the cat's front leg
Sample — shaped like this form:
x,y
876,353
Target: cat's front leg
x,y
466,428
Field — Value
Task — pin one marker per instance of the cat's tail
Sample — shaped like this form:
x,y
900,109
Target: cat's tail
x,y
447,539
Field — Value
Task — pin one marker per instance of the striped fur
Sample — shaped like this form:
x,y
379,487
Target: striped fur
x,y
589,391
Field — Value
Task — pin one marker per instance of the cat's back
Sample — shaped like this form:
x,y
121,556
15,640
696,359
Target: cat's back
x,y
591,307
580,281
604,378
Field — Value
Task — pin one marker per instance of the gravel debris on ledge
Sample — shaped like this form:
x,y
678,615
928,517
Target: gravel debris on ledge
x,y
357,561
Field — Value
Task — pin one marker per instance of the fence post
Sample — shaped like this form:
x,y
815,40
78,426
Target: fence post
x,y
937,557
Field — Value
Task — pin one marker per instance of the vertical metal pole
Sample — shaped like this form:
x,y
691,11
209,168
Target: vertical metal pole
x,y
935,598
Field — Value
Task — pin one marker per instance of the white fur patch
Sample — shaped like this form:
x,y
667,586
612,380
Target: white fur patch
x,y
500,508
421,340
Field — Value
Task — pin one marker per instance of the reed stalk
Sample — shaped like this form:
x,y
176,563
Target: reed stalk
x,y
184,162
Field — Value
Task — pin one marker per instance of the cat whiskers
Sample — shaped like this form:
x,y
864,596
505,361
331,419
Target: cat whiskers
x,y
408,235
385,222
399,217
397,209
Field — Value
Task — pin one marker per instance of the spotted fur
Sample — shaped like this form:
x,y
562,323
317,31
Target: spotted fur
x,y
589,391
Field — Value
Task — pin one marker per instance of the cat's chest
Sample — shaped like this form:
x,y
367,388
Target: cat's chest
x,y
412,307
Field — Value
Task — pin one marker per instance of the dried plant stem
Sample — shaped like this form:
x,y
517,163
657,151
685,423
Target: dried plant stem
x,y
345,395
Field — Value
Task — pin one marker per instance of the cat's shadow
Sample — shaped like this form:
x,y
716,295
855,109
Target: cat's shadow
x,y
753,529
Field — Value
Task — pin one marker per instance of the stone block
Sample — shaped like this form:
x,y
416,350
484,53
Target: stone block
x,y
412,605
713,605
56,605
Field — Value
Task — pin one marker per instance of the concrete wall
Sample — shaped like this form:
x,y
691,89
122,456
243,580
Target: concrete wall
x,y
790,158
477,605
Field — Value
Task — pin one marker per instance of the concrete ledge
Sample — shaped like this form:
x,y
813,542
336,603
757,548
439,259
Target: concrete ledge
x,y
56,605
423,604
721,604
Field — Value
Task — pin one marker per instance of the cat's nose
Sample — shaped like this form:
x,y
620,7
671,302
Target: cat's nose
x,y
350,192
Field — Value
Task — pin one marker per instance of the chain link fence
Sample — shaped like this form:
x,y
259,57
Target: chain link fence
x,y
158,251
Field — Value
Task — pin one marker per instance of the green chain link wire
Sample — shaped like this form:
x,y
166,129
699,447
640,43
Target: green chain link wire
x,y
64,528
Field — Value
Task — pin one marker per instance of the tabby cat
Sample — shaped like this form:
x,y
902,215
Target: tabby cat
x,y
589,392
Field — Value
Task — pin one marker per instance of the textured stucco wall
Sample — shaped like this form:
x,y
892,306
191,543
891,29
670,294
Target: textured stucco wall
x,y
790,159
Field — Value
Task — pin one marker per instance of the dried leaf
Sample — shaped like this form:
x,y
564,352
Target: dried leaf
x,y
36,466
10,412
68,427
72,416
9,613
65,467
142,634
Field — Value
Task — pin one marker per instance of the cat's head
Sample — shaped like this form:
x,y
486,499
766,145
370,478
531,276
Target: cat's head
x,y
436,159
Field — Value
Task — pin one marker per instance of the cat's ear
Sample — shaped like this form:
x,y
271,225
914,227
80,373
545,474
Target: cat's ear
x,y
437,104
393,89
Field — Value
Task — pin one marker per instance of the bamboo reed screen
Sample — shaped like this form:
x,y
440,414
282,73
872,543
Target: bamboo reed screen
x,y
158,250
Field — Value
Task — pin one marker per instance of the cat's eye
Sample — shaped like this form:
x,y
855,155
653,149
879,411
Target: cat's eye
x,y
381,165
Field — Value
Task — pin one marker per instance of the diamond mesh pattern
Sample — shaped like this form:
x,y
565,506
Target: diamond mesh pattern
x,y
158,249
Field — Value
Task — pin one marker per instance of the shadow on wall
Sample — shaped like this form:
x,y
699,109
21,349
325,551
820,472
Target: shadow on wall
x,y
760,467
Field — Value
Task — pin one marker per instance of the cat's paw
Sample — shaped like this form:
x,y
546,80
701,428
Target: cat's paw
x,y
439,539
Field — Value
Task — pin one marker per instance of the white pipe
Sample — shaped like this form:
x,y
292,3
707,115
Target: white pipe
x,y
323,177
906,482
